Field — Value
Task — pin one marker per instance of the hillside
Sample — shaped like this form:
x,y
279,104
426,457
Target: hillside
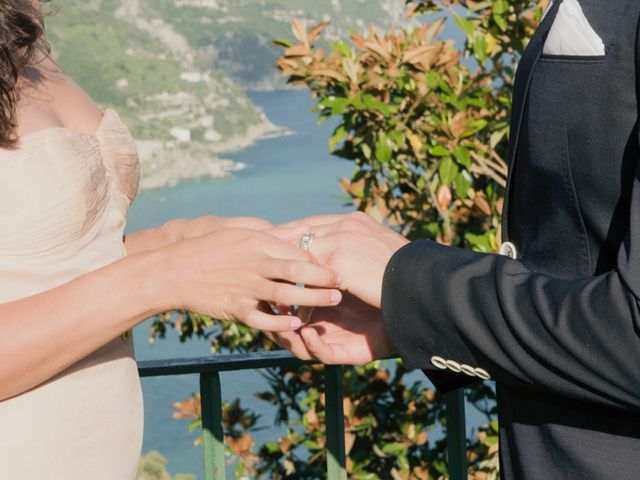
x,y
235,35
176,69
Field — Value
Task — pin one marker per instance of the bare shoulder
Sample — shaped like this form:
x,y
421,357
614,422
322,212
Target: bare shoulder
x,y
50,98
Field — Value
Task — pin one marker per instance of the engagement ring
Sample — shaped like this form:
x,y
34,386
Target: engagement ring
x,y
305,244
306,241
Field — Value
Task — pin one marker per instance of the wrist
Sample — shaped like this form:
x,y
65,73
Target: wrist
x,y
149,268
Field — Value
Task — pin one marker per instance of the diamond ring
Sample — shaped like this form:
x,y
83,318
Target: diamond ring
x,y
306,241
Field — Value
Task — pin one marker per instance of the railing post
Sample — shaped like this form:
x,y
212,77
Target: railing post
x,y
456,435
212,432
334,418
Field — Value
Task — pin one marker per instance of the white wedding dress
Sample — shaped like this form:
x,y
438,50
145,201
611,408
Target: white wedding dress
x,y
64,197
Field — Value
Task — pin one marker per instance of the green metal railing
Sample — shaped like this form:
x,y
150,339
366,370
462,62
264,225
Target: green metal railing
x,y
209,369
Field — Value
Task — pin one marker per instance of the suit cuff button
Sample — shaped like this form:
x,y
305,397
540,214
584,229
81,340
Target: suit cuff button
x,y
453,366
468,370
439,362
482,373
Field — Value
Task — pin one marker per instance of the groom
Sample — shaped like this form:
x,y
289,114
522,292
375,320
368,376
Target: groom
x,y
555,320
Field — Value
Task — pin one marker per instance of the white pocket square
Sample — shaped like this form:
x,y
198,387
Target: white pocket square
x,y
571,33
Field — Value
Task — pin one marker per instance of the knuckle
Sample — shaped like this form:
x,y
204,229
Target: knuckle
x,y
343,238
292,270
352,223
279,293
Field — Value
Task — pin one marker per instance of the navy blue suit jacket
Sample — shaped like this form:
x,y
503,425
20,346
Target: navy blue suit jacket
x,y
558,327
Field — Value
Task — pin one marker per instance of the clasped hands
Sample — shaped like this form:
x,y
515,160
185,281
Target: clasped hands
x,y
358,248
233,268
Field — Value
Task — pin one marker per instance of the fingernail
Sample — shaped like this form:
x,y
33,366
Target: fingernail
x,y
296,323
336,297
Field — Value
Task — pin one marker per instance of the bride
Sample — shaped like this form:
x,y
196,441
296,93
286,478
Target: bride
x,y
71,286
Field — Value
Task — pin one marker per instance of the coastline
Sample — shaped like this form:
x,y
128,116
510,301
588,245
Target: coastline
x,y
166,163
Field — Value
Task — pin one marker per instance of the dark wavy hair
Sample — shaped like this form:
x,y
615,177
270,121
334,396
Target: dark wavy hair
x,y
21,37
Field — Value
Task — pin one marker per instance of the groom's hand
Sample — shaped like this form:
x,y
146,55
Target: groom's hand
x,y
356,247
352,333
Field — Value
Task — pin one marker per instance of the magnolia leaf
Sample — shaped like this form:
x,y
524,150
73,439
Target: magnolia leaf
x,y
384,149
351,69
326,72
479,243
339,134
375,47
458,124
315,32
461,154
447,170
500,21
370,102
415,141
466,25
462,183
342,48
433,30
298,51
481,48
282,42
299,31
438,151
366,150
426,54
496,138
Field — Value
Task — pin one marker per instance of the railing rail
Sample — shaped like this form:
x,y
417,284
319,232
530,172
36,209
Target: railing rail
x,y
209,369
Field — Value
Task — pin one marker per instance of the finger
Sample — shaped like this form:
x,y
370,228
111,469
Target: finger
x,y
329,354
280,249
272,323
291,295
315,220
292,341
289,234
295,271
252,223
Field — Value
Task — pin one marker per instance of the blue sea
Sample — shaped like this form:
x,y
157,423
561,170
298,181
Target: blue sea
x,y
286,178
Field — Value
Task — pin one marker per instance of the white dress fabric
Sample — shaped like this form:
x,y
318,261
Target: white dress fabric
x,y
64,197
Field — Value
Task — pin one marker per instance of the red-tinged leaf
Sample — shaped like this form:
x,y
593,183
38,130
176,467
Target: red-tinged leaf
x,y
315,32
458,124
358,41
298,51
426,55
325,72
376,48
299,31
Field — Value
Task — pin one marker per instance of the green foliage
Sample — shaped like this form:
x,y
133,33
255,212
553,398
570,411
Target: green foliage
x,y
428,136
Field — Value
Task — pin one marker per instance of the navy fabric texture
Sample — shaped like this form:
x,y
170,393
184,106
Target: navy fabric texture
x,y
558,328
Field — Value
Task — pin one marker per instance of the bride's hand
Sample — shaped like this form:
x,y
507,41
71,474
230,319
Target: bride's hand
x,y
182,229
228,273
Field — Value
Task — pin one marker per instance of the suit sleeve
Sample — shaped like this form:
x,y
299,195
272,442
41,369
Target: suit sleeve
x,y
489,314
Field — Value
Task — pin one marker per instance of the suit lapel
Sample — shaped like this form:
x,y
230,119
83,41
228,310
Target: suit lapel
x,y
524,74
